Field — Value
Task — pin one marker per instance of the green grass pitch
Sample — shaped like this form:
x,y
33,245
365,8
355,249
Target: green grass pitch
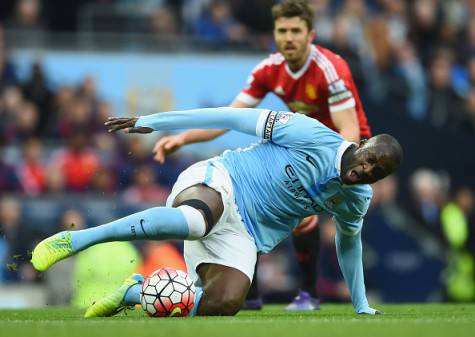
x,y
418,320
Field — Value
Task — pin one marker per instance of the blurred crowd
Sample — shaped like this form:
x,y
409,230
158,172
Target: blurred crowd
x,y
422,51
419,55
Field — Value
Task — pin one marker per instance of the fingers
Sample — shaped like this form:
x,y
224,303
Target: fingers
x,y
116,120
159,150
115,124
141,129
165,146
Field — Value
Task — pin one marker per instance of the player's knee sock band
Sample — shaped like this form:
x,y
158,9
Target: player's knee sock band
x,y
200,205
158,223
196,222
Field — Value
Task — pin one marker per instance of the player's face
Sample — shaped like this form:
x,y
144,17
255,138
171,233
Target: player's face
x,y
293,38
369,165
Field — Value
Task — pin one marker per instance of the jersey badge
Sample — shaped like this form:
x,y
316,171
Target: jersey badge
x,y
303,108
311,91
284,117
333,200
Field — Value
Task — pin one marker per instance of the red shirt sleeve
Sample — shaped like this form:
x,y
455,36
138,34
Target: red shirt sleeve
x,y
340,90
256,87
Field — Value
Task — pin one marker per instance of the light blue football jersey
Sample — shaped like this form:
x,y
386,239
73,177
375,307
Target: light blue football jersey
x,y
293,173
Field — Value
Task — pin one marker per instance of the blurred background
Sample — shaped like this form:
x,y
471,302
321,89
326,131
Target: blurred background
x,y
66,65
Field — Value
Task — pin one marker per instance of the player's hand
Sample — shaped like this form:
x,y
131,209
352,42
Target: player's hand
x,y
370,311
167,145
306,226
127,124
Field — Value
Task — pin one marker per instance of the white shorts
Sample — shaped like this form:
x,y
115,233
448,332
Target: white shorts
x,y
228,243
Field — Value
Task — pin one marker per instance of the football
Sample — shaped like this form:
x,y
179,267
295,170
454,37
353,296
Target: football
x,y
167,292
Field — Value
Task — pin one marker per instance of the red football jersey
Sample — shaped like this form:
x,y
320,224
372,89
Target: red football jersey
x,y
322,86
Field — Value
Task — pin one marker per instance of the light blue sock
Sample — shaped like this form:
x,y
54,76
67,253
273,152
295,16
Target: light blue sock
x,y
157,223
132,296
198,295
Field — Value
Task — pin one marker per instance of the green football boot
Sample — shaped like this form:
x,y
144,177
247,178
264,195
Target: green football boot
x,y
51,250
113,303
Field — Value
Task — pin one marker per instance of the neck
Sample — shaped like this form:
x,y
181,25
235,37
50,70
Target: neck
x,y
297,64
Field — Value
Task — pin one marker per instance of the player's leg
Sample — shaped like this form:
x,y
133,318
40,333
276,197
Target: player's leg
x,y
210,207
307,247
187,222
224,290
253,299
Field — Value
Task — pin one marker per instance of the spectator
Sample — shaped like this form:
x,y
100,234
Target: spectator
x,y
163,23
467,122
18,240
77,162
59,280
444,103
323,22
136,154
30,169
24,123
77,117
36,89
457,226
55,180
426,20
428,196
8,179
145,189
160,254
410,70
217,25
103,181
10,100
108,273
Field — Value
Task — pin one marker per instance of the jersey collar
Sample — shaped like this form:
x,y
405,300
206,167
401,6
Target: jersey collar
x,y
296,75
339,153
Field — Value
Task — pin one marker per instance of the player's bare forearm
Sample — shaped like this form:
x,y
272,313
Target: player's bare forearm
x,y
346,122
351,134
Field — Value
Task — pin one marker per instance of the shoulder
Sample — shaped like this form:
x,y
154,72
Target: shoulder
x,y
272,61
330,62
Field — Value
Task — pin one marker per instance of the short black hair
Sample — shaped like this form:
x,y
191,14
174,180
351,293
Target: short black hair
x,y
393,148
292,8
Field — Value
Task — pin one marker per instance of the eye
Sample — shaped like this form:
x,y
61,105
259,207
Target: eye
x,y
372,159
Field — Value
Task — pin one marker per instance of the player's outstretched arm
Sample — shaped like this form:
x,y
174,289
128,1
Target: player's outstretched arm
x,y
243,120
350,257
169,144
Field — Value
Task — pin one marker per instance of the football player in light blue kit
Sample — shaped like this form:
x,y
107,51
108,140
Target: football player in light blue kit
x,y
230,207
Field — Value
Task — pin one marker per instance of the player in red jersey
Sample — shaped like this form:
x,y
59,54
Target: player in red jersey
x,y
311,80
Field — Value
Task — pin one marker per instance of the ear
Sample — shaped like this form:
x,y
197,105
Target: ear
x,y
363,142
311,36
